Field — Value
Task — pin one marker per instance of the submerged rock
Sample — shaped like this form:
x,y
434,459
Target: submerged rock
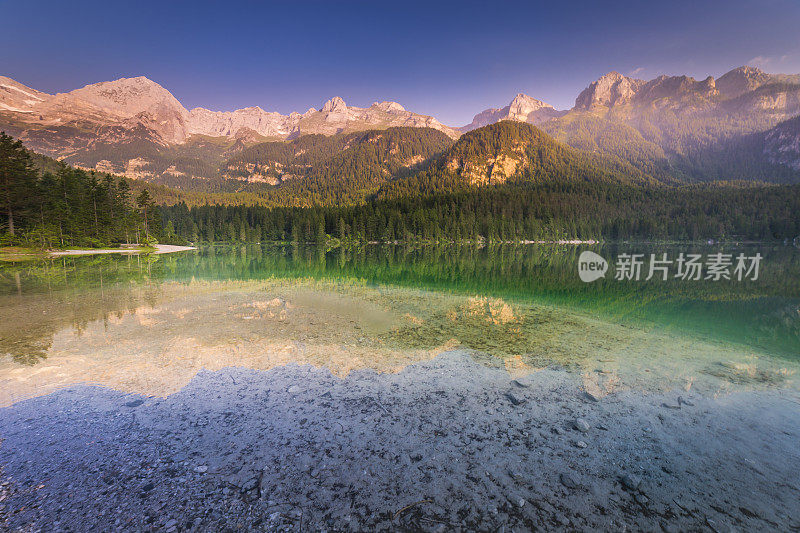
x,y
631,481
569,481
582,425
515,398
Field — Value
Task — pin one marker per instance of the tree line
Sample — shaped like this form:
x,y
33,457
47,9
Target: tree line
x,y
547,211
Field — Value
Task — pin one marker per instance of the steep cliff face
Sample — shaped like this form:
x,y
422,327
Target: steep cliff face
x,y
229,124
782,144
609,90
16,97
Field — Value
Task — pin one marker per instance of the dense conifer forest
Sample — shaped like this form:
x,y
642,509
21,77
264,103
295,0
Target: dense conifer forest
x,y
47,204
551,211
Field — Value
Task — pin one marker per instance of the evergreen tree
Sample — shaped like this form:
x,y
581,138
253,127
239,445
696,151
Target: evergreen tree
x,y
17,180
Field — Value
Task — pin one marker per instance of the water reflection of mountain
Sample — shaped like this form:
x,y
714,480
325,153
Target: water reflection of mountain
x,y
71,292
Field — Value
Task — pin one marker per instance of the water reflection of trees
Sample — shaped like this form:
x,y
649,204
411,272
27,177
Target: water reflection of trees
x,y
41,298
764,313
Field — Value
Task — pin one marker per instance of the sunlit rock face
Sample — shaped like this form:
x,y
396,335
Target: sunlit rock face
x,y
136,101
522,108
611,89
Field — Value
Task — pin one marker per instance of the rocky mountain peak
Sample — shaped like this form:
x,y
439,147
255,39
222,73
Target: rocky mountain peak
x,y
523,108
334,105
523,105
127,95
609,90
741,80
676,86
389,107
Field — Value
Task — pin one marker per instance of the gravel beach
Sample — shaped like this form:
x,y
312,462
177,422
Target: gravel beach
x,y
449,444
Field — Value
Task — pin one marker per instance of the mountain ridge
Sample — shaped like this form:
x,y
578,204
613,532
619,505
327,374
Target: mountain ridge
x,y
665,127
128,99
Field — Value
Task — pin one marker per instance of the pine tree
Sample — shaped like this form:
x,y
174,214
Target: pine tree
x,y
17,179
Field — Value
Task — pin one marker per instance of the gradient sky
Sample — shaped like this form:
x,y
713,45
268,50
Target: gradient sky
x,y
447,59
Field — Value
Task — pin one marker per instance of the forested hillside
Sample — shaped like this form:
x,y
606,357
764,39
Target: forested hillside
x,y
505,182
336,170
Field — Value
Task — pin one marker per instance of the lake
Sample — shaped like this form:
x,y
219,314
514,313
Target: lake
x,y
148,324
410,388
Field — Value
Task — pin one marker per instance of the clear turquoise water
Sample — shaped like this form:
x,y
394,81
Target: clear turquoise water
x,y
383,307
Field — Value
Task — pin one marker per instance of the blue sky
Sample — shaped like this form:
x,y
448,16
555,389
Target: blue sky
x,y
447,59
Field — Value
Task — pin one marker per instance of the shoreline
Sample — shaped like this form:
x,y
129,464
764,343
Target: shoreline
x,y
453,443
13,254
158,249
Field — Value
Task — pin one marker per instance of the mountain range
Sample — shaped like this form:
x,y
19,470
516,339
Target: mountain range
x,y
742,126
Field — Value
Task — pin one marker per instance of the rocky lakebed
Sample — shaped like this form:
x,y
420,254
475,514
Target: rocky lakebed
x,y
449,444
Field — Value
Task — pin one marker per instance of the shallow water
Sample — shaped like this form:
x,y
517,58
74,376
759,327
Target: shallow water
x,y
148,324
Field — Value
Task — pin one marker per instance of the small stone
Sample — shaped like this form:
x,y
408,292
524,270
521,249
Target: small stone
x,y
148,487
684,402
521,502
250,484
202,469
558,431
630,481
668,406
641,498
581,444
523,382
294,389
134,403
514,399
569,481
591,397
582,425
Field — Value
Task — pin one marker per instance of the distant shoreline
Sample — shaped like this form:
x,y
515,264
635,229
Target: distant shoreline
x,y
159,249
